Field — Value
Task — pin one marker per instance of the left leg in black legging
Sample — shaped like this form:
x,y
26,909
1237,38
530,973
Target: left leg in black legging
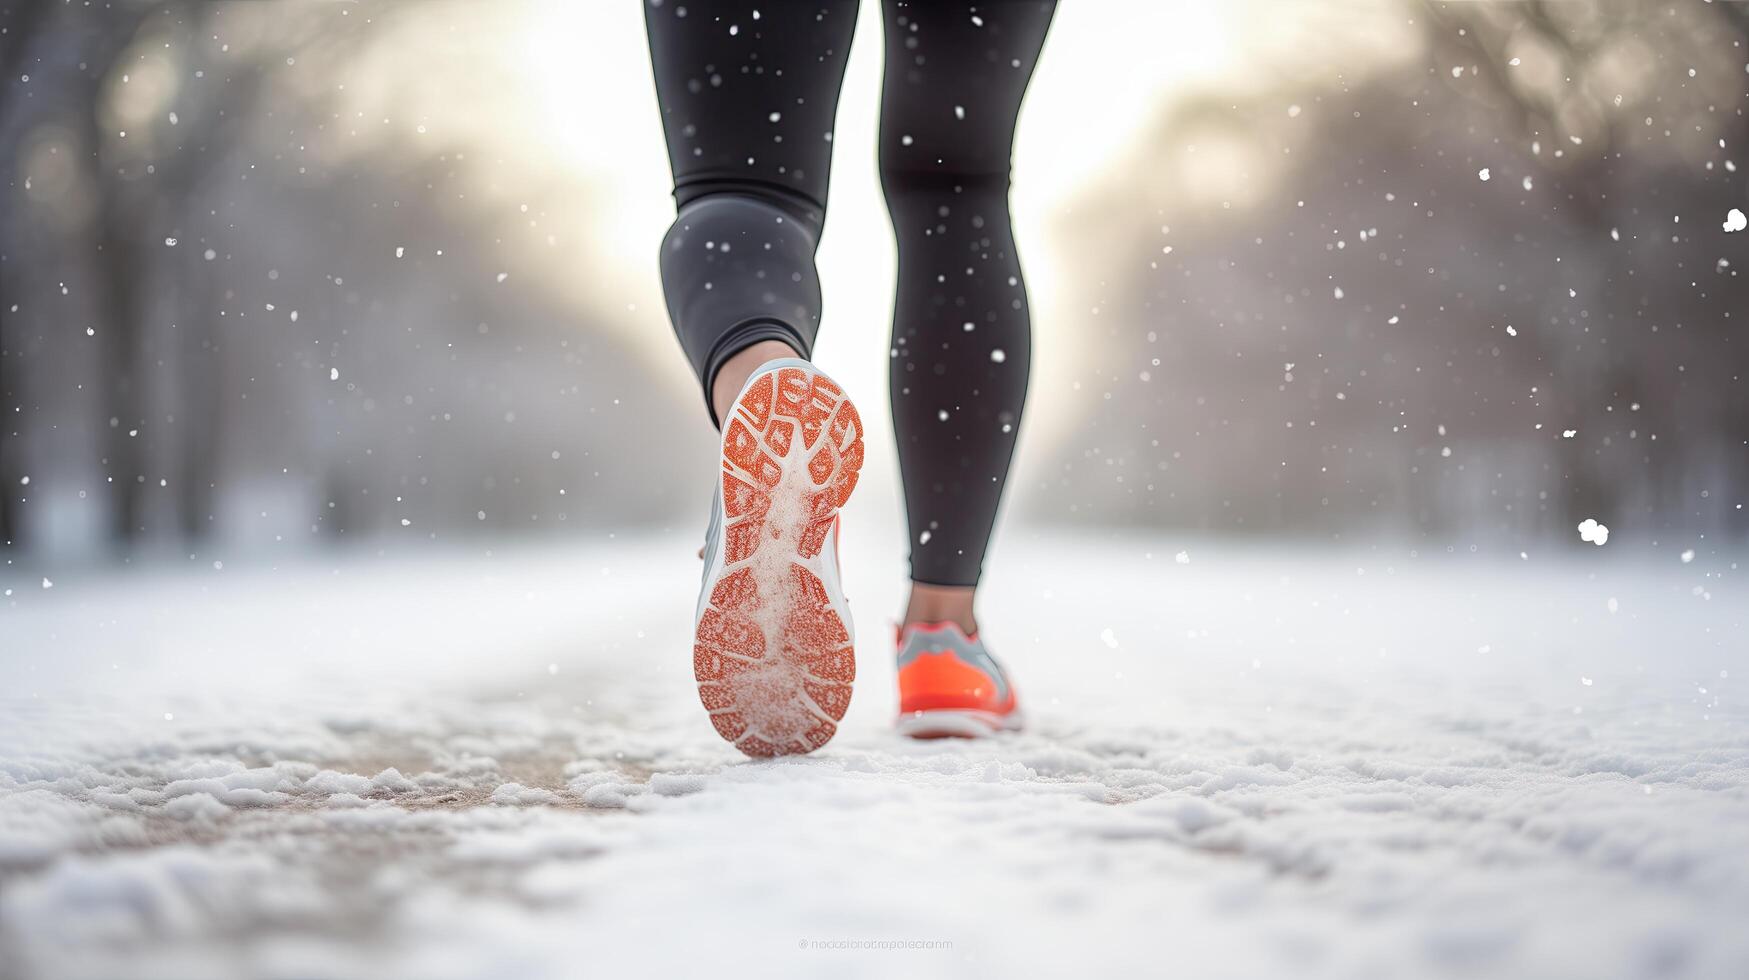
x,y
961,350
748,93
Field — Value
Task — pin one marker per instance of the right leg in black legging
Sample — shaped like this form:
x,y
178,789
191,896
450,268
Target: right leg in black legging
x,y
748,93
955,75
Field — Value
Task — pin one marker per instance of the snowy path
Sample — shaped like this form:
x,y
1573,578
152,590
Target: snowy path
x,y
1259,763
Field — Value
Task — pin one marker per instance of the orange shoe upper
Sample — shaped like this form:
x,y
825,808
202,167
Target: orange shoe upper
x,y
941,668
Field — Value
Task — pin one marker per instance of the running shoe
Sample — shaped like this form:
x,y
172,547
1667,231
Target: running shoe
x,y
774,651
950,686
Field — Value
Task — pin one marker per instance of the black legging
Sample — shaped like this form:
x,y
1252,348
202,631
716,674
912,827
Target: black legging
x,y
748,93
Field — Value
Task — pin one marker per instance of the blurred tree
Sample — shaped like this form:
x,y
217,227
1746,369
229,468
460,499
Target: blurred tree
x,y
1591,50
71,50
1351,326
242,307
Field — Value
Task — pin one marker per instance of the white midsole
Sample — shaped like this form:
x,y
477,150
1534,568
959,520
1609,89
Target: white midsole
x,y
960,722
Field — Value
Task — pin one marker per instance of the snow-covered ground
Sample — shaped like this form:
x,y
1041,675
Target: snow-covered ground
x,y
1255,762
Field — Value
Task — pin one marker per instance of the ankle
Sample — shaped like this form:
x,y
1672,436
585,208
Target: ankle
x,y
733,375
941,604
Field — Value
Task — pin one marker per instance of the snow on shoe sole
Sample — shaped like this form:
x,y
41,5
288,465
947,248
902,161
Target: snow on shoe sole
x,y
773,653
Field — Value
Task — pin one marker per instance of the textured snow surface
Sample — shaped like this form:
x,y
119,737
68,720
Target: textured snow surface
x,y
1264,763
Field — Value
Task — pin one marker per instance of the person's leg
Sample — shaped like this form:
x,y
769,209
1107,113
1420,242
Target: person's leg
x,y
961,349
733,375
748,93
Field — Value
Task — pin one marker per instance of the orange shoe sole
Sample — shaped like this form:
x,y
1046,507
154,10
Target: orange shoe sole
x,y
773,658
